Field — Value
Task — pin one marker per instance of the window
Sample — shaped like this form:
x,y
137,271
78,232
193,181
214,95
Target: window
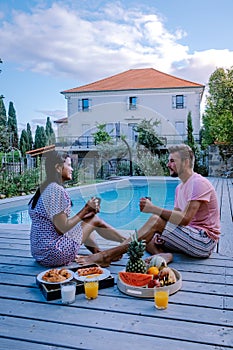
x,y
180,128
132,102
132,134
84,104
179,101
85,128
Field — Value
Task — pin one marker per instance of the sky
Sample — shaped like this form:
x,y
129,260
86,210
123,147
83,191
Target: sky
x,y
50,46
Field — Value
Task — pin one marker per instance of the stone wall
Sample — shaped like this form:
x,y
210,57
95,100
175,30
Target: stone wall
x,y
216,164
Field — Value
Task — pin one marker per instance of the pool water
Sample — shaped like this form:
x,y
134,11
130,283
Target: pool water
x,y
119,202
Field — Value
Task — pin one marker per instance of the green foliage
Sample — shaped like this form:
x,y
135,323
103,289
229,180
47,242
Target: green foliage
x,y
190,139
49,133
199,165
148,164
12,128
40,137
24,142
3,117
148,136
30,139
101,136
218,116
109,150
4,141
14,184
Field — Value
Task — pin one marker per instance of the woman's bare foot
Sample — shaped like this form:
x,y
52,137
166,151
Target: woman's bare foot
x,y
167,256
98,258
103,258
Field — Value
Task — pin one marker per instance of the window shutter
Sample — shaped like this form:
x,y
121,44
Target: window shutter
x,y
90,104
128,104
79,104
173,101
185,99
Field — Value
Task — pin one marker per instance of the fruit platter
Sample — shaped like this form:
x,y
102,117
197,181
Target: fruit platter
x,y
140,278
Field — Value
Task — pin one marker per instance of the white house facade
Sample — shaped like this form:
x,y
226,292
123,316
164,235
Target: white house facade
x,y
124,100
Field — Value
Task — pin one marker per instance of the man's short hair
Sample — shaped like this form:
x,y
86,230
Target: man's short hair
x,y
184,151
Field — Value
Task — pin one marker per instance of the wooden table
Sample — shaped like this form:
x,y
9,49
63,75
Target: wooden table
x,y
199,316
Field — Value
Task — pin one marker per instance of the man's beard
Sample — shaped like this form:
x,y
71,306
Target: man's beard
x,y
174,174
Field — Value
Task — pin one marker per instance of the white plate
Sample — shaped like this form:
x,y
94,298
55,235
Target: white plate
x,y
103,275
39,277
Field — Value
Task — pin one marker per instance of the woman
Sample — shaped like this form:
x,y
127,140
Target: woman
x,y
56,237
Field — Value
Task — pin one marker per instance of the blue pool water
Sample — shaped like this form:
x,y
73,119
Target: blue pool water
x,y
119,201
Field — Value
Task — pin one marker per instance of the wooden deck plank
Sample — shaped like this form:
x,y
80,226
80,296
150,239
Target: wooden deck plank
x,y
226,239
87,338
199,316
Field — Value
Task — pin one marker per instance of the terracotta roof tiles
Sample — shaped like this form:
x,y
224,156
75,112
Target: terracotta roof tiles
x,y
134,79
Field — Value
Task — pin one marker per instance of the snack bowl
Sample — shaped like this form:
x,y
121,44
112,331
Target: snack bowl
x,y
145,292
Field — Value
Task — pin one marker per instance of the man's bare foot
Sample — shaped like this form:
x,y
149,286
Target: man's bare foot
x,y
93,250
167,256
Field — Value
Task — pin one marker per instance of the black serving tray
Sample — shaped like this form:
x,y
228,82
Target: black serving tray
x,y
53,291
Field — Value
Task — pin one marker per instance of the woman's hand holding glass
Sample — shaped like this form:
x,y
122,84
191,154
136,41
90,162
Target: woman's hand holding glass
x,y
91,208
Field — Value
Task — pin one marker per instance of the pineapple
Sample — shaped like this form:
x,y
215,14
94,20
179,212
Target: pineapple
x,y
135,251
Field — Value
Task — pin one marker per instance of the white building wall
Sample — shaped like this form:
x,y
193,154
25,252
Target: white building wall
x,y
112,107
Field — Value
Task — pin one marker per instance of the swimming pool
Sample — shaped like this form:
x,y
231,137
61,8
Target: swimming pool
x,y
119,201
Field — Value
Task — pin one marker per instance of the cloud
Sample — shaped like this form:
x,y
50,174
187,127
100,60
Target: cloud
x,y
53,114
63,40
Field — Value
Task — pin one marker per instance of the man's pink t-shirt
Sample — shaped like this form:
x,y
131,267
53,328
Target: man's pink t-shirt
x,y
207,217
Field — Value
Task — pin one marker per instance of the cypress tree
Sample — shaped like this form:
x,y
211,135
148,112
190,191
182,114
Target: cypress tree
x,y
40,137
12,126
49,132
190,140
24,142
30,139
4,144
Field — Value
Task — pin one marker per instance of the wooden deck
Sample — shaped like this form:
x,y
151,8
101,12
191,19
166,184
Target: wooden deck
x,y
199,316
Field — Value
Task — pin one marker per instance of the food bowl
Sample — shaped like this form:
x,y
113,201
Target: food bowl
x,y
145,292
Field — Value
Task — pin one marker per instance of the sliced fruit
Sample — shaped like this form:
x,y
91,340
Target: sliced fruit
x,y
153,270
135,279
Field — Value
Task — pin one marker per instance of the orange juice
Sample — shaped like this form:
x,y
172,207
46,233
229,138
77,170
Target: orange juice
x,y
161,298
91,289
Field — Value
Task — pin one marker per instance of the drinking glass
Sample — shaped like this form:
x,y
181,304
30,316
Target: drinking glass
x,y
161,297
91,287
68,291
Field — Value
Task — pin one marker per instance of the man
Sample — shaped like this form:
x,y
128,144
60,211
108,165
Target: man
x,y
192,227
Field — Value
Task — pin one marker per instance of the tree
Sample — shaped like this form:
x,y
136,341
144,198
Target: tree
x,y
30,139
12,126
218,116
101,135
190,139
148,136
49,132
40,137
3,126
199,165
24,142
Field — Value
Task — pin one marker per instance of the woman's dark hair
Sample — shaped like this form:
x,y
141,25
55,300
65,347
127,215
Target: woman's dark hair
x,y
52,158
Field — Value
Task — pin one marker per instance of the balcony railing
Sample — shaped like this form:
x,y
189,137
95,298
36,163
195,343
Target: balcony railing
x,y
88,143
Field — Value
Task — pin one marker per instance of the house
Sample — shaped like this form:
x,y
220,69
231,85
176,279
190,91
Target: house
x,y
123,100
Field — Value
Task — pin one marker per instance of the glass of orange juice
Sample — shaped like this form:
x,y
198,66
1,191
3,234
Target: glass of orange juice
x,y
161,296
91,287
